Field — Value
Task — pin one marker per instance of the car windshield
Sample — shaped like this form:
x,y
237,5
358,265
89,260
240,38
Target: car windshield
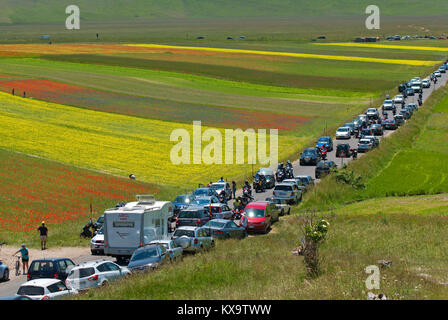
x,y
283,188
388,102
214,224
218,186
30,291
364,141
254,213
181,232
323,165
189,214
323,139
371,110
101,231
183,199
309,152
145,254
199,192
343,129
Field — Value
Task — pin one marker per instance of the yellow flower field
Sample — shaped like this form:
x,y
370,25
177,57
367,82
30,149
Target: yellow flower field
x,y
384,46
293,54
107,142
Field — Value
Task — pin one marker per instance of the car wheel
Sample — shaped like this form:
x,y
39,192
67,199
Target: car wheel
x,y
104,283
289,211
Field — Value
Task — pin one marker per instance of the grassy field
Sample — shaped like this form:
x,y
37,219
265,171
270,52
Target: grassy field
x,y
409,233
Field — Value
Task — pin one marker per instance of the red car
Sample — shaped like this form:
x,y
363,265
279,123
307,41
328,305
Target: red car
x,y
260,216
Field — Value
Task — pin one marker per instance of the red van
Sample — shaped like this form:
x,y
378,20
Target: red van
x,y
260,216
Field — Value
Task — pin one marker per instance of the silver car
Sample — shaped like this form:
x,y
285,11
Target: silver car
x,y
288,191
193,239
343,133
399,99
222,187
282,206
219,211
388,105
97,243
174,251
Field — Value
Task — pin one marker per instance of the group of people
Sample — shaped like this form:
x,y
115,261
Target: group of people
x,y
24,252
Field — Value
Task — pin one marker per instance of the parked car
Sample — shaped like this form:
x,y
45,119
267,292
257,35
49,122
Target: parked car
x,y
174,251
269,175
343,151
309,156
426,83
365,132
148,257
399,119
405,113
417,88
438,74
219,211
204,201
193,216
181,202
260,216
4,272
45,289
287,192
410,92
325,141
372,113
204,192
296,183
94,274
365,145
222,187
323,168
343,133
352,127
399,99
97,243
193,239
375,140
390,124
377,130
409,109
306,181
225,229
56,268
282,205
389,105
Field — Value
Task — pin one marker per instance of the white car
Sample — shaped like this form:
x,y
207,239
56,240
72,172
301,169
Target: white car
x,y
388,105
437,74
45,289
398,99
372,113
193,239
426,83
94,274
343,133
171,247
97,243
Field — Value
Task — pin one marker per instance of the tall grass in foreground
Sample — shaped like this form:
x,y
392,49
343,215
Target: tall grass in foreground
x,y
331,193
262,267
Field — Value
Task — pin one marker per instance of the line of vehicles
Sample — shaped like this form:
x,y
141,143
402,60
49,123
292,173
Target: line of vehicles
x,y
145,234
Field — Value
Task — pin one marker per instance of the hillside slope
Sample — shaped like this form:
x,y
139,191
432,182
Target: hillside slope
x,y
45,11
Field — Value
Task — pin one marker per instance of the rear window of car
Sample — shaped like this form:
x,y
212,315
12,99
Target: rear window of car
x,y
215,224
145,254
283,188
81,273
57,287
42,266
190,214
180,233
31,291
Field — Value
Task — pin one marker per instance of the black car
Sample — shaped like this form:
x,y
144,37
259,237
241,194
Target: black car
x,y
409,109
399,119
56,268
365,132
324,167
269,175
181,202
148,257
193,217
390,124
377,130
343,151
410,92
401,88
413,106
309,156
405,113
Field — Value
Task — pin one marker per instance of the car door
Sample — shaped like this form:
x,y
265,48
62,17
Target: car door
x,y
227,214
177,251
58,290
114,270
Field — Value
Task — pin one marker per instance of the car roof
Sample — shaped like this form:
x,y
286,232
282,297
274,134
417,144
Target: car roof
x,y
161,241
257,204
281,184
187,228
368,140
41,282
220,220
302,176
50,259
90,264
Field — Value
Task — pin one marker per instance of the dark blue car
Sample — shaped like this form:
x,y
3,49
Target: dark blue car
x,y
147,258
181,202
327,141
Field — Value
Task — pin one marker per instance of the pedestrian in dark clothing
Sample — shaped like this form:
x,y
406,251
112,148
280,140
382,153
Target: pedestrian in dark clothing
x,y
12,91
234,189
43,231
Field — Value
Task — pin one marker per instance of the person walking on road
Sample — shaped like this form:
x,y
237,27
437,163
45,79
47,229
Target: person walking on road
x,y
43,231
25,257
234,189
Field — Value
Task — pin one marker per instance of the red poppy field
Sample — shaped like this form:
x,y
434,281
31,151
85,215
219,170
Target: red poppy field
x,y
34,189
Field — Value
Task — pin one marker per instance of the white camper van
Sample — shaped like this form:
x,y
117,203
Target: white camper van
x,y
135,224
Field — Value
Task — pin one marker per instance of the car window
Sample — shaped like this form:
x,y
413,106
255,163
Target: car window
x,y
102,268
42,266
57,287
31,291
112,266
62,265
69,262
181,232
81,273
